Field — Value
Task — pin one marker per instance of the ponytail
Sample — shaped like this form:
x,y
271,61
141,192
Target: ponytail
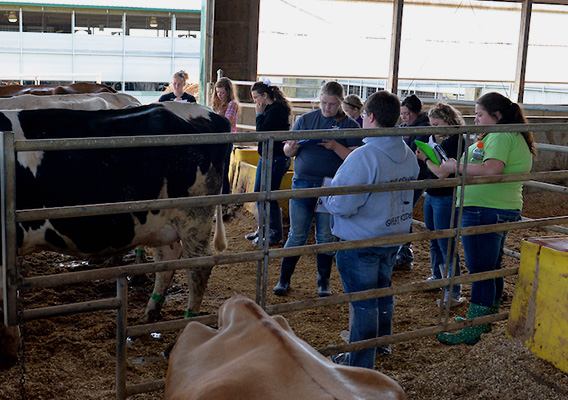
x,y
511,113
274,93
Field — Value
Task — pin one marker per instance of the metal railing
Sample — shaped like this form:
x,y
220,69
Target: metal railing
x,y
12,283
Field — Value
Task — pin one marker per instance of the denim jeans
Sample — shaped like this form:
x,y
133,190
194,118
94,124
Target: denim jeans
x,y
485,252
280,165
438,215
364,269
302,213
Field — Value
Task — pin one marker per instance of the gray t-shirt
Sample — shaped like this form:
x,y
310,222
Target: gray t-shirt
x,y
314,162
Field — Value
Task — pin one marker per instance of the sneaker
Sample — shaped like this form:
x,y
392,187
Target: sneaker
x,y
432,278
272,241
252,235
454,302
384,350
340,358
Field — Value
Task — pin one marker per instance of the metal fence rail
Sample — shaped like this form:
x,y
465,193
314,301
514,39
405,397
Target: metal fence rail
x,y
12,283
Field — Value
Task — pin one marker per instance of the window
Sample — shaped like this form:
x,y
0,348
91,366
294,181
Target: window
x,y
188,26
98,24
148,26
46,22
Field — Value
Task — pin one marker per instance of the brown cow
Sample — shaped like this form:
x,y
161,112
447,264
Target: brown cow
x,y
41,90
255,356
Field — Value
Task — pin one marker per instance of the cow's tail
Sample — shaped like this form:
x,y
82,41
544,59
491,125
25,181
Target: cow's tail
x,y
220,237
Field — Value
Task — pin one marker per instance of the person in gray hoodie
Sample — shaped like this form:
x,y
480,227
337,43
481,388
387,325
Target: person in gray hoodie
x,y
369,215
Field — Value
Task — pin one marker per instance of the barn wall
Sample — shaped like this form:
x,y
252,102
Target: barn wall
x,y
235,40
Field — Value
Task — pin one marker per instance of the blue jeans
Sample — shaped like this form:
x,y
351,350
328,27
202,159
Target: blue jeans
x,y
364,269
438,215
302,213
280,165
485,252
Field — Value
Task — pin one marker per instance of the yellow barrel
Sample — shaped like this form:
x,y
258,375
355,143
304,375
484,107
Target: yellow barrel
x,y
539,312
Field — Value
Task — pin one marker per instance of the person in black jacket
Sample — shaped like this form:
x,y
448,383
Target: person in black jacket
x,y
177,85
438,201
412,116
272,114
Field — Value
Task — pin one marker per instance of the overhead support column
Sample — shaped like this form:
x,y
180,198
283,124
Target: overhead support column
x,y
392,83
207,15
235,41
519,87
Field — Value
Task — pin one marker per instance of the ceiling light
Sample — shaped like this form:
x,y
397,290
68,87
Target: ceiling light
x,y
12,17
153,22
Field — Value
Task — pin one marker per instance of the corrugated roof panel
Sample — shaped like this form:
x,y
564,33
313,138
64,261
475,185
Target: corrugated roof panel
x,y
181,5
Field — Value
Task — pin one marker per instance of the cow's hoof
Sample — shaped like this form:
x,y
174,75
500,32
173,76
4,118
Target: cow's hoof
x,y
151,317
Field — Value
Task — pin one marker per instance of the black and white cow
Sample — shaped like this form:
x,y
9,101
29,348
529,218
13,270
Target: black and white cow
x,y
82,101
76,177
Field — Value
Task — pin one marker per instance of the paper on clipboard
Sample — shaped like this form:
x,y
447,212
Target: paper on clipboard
x,y
320,207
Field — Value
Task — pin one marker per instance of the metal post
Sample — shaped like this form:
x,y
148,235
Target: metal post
x,y
173,44
122,294
267,172
10,273
264,221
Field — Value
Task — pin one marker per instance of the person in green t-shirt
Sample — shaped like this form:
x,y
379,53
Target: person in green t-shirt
x,y
503,153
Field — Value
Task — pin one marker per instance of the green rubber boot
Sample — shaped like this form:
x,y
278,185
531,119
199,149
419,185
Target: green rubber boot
x,y
496,306
494,310
468,335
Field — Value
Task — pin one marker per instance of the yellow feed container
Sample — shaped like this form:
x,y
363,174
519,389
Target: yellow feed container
x,y
242,174
539,312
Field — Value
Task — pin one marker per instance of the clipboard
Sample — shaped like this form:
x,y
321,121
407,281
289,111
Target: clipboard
x,y
431,153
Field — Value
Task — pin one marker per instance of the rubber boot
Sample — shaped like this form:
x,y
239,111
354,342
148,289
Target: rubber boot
x,y
469,335
286,270
494,310
496,306
324,263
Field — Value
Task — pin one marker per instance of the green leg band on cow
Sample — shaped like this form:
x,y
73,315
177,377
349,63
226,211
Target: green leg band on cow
x,y
139,251
191,314
157,298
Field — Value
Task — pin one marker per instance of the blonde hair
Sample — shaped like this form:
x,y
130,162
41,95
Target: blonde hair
x,y
221,106
354,101
180,74
333,88
446,113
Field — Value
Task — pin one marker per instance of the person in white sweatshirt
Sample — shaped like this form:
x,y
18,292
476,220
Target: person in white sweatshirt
x,y
370,215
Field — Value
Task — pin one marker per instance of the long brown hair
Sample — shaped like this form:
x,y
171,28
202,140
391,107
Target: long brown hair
x,y
221,106
511,113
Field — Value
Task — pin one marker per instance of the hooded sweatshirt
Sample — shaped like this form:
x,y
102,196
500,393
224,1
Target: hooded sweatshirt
x,y
369,215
